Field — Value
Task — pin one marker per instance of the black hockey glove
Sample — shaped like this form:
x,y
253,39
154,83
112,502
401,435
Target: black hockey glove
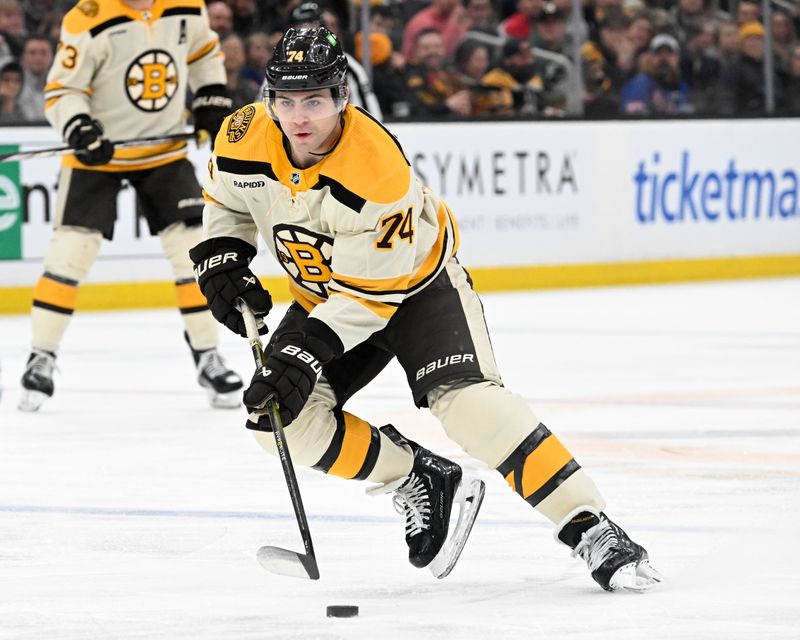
x,y
293,366
221,266
211,105
85,135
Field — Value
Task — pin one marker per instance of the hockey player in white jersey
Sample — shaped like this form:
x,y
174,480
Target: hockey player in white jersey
x,y
370,255
122,70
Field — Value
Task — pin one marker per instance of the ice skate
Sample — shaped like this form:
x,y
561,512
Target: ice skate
x,y
223,385
426,496
37,381
615,561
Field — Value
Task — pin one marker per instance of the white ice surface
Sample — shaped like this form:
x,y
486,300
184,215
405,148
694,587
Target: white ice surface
x,y
129,509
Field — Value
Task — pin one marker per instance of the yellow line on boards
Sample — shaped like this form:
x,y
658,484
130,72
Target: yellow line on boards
x,y
146,295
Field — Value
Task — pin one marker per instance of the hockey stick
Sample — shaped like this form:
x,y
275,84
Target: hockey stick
x,y
133,142
276,559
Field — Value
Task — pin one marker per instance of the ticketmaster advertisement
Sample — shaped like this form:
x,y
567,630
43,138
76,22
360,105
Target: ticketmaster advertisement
x,y
524,194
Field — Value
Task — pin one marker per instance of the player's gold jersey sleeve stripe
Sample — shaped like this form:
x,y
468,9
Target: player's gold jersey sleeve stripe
x,y
127,165
381,309
203,51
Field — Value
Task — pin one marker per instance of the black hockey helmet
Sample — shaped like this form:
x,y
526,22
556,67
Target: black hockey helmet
x,y
307,59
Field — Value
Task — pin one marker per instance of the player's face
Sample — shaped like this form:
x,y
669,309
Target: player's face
x,y
310,119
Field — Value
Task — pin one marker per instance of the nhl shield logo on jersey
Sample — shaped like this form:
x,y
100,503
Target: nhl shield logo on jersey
x,y
239,123
294,178
306,257
152,80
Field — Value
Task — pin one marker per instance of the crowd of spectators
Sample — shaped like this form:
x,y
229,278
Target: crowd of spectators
x,y
487,58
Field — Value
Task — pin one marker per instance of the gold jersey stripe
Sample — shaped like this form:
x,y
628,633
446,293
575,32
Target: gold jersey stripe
x,y
55,293
542,464
383,310
203,51
357,438
303,298
208,198
434,258
373,285
72,161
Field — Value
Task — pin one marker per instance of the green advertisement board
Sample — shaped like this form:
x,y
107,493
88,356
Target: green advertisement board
x,y
10,208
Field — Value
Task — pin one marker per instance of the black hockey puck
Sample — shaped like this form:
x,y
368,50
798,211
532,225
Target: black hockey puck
x,y
342,611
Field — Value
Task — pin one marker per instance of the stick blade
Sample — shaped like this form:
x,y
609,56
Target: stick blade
x,y
288,563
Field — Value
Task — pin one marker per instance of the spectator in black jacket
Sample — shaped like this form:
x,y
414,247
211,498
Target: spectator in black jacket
x,y
742,87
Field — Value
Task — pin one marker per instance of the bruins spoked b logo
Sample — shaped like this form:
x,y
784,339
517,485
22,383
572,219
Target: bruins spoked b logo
x,y
152,80
306,257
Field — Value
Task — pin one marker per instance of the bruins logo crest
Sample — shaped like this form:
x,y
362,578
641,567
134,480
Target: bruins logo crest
x,y
152,80
89,8
306,257
239,123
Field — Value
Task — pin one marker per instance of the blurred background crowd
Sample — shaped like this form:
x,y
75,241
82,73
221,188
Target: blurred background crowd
x,y
437,59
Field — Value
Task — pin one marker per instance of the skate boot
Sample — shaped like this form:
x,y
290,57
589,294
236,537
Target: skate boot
x,y
37,381
222,384
426,497
615,561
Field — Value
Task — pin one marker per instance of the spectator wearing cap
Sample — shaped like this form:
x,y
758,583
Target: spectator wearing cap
x,y
520,79
434,89
742,85
313,15
448,17
551,30
388,73
658,88
521,24
10,90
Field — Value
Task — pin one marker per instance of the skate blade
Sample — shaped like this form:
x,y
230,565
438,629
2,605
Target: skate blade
x,y
31,400
231,400
469,498
638,578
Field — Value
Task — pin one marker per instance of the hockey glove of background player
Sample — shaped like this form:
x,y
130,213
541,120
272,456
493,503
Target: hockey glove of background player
x,y
211,105
293,366
221,266
85,135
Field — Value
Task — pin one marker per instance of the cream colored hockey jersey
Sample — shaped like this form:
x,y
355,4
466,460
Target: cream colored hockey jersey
x,y
130,70
357,232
